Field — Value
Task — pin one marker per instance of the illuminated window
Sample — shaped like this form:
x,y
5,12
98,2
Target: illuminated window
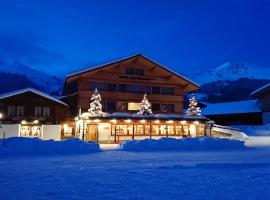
x,y
170,129
155,129
36,131
30,131
122,129
138,129
67,130
133,106
178,130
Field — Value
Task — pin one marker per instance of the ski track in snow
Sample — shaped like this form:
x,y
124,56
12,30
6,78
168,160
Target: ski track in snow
x,y
127,175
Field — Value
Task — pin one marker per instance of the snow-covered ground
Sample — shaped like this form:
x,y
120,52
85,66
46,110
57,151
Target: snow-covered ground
x,y
129,175
258,130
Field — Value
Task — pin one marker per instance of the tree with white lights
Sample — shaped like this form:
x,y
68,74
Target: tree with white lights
x,y
145,107
95,105
193,108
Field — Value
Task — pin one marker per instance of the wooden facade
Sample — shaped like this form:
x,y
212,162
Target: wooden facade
x,y
122,85
30,105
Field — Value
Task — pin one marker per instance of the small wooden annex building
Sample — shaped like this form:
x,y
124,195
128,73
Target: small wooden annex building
x,y
31,113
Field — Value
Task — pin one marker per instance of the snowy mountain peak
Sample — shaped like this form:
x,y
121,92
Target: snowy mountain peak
x,y
40,80
231,71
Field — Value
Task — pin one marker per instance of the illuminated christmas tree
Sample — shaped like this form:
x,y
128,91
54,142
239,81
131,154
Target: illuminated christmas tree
x,y
145,107
95,105
193,108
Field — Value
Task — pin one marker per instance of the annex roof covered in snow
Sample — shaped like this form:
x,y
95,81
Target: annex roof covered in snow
x,y
40,93
261,90
237,107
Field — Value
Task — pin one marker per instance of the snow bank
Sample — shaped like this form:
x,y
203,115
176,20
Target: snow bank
x,y
36,146
185,144
259,130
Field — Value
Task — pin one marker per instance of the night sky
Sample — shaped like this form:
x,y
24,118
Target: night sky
x,y
61,36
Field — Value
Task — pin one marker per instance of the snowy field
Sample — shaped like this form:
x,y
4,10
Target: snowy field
x,y
130,175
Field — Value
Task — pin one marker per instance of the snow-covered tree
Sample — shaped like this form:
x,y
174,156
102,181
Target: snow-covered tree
x,y
193,108
145,107
95,105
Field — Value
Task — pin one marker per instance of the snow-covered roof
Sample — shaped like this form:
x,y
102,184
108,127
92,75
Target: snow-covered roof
x,y
125,115
238,107
261,89
16,92
130,57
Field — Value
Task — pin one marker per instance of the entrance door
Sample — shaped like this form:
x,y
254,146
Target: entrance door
x,y
92,133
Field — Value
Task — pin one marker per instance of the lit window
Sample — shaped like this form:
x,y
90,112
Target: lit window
x,y
11,110
122,129
67,130
36,131
133,106
46,111
38,111
138,129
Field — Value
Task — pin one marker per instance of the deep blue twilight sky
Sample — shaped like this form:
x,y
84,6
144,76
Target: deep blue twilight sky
x,y
60,36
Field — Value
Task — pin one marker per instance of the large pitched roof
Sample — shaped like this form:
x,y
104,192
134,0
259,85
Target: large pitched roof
x,y
129,58
236,107
261,90
16,92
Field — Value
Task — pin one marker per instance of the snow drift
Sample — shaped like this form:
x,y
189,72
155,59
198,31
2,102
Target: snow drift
x,y
36,146
185,144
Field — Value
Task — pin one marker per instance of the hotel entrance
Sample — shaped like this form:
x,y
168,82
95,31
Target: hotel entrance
x,y
92,132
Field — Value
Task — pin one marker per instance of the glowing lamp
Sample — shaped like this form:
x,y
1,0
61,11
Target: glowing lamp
x,y
128,120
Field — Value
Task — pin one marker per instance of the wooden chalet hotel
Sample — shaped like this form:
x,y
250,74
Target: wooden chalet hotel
x,y
122,85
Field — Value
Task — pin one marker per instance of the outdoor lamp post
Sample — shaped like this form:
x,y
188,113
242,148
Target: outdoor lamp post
x,y
1,125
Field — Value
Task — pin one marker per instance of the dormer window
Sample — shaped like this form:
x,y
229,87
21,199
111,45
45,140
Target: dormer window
x,y
135,71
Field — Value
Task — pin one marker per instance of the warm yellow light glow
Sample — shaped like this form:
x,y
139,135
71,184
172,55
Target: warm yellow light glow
x,y
23,122
76,118
96,120
170,121
142,121
133,106
113,120
65,126
1,115
196,122
35,121
128,120
157,121
183,122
